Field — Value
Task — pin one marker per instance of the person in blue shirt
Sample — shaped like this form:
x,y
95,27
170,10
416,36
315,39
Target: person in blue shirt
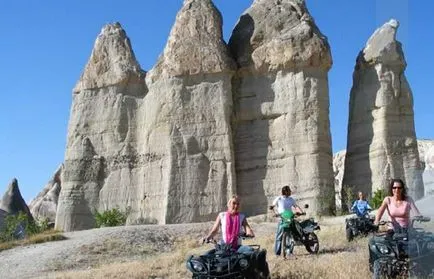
x,y
361,206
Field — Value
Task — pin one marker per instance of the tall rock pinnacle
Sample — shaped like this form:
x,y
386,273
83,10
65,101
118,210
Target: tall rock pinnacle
x,y
381,134
162,149
112,62
12,202
102,127
188,121
281,121
195,44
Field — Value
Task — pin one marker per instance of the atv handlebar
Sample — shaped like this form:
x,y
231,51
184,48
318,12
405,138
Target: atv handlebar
x,y
419,219
212,240
296,214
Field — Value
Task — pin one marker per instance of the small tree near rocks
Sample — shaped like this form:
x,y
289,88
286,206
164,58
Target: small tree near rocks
x,y
111,218
377,198
20,226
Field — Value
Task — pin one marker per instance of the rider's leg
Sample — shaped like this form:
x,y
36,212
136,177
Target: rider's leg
x,y
278,239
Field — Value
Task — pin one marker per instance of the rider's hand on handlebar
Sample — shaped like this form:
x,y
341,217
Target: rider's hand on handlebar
x,y
205,240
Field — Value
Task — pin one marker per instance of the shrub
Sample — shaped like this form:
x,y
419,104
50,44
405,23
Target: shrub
x,y
111,218
378,198
20,226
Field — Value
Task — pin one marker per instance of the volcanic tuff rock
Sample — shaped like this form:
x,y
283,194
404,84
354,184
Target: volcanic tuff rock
x,y
425,147
164,145
426,151
101,144
13,203
187,119
381,134
44,206
281,114
164,151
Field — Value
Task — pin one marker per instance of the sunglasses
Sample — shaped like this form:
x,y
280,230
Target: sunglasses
x,y
396,187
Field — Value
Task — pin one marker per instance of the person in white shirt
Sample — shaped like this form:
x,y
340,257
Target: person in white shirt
x,y
279,205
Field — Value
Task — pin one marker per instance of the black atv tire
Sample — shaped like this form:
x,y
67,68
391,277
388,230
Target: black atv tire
x,y
379,270
263,274
312,243
349,234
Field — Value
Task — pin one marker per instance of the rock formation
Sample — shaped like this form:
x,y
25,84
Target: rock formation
x,y
425,147
281,114
186,119
101,144
44,206
165,152
13,203
381,134
161,143
428,174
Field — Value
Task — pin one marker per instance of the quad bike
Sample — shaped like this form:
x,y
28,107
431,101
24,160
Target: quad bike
x,y
224,262
402,253
298,233
359,225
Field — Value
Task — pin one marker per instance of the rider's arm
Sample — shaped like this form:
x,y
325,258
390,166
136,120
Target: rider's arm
x,y
368,206
273,205
354,206
296,208
214,229
413,206
247,228
381,210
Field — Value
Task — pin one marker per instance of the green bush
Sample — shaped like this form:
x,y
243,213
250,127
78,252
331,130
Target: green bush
x,y
377,198
111,218
13,223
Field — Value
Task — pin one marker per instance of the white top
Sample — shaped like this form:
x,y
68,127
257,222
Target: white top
x,y
283,203
223,225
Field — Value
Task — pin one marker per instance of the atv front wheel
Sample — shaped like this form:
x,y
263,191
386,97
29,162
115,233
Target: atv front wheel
x,y
380,269
349,234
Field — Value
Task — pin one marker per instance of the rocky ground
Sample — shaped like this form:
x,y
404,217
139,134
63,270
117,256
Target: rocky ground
x,y
92,248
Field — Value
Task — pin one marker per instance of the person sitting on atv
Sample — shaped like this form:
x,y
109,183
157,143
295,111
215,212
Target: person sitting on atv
x,y
361,206
283,202
398,206
232,223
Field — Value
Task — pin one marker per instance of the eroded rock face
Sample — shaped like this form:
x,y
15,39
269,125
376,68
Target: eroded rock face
x,y
102,139
12,202
44,206
163,149
281,119
425,147
186,118
381,136
428,174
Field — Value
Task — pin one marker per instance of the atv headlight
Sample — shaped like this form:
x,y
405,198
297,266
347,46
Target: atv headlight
x,y
244,263
383,249
196,266
430,245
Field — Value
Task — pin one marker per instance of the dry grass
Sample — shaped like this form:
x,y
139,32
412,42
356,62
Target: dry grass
x,y
336,259
51,235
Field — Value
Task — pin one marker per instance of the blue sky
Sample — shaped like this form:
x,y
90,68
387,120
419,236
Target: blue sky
x,y
44,46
